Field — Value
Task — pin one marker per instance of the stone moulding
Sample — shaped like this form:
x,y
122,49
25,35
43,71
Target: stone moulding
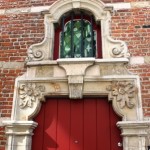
x,y
75,83
76,78
110,48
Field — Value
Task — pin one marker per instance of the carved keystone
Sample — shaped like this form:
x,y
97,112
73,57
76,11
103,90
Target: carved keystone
x,y
75,86
75,76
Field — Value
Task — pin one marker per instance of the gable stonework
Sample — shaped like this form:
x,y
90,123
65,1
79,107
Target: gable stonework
x,y
27,37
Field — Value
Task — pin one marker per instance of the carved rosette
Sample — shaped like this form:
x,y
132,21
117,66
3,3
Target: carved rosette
x,y
30,93
123,93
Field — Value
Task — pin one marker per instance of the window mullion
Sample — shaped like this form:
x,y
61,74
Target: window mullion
x,y
62,38
72,35
82,46
92,38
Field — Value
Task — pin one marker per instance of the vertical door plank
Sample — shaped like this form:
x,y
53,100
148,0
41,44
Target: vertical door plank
x,y
90,125
76,135
63,124
115,131
37,139
50,139
103,131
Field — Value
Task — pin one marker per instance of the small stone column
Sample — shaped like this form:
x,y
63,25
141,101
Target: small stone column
x,y
19,134
134,134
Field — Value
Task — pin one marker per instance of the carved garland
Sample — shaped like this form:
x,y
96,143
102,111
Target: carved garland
x,y
123,92
30,93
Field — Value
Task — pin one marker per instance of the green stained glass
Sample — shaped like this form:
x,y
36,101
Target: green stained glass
x,y
81,35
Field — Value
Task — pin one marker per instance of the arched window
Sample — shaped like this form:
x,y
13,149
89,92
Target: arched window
x,y
78,36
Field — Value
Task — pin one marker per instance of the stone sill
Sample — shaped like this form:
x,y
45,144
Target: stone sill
x,y
77,61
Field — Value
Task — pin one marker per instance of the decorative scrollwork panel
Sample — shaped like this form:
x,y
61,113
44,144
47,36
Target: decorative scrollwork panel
x,y
29,93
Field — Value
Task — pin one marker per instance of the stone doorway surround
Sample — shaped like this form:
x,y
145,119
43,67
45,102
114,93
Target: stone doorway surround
x,y
77,78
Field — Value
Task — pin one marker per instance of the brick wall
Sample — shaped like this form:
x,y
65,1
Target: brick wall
x,y
19,31
133,27
28,3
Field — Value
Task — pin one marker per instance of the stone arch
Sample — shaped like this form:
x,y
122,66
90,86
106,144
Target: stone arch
x,y
74,77
60,7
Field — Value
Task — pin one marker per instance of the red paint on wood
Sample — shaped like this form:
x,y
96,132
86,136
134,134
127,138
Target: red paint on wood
x,y
63,124
37,140
76,120
50,125
88,124
115,139
90,127
103,125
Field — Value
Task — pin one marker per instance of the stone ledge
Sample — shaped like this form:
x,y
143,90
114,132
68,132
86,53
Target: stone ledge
x,y
138,60
11,65
3,119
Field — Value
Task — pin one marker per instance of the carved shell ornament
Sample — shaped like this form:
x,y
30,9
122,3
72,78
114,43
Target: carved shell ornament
x,y
30,93
123,92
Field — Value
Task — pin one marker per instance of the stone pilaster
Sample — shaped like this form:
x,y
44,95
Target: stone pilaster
x,y
19,134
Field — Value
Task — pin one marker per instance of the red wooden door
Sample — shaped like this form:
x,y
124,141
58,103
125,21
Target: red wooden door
x,y
88,124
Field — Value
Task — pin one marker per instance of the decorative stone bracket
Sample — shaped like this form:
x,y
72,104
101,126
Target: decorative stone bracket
x,y
123,96
75,76
123,93
29,93
75,86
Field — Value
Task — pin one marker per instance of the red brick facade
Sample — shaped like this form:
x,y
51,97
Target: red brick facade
x,y
19,31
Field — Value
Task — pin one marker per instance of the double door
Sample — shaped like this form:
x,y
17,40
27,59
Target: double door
x,y
87,124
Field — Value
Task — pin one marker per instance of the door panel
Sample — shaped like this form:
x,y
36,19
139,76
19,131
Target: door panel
x,y
90,126
76,125
50,126
63,124
103,125
87,124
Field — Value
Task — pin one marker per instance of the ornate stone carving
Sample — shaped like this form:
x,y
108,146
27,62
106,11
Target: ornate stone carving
x,y
75,87
123,93
111,48
117,48
119,51
44,50
36,55
29,93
